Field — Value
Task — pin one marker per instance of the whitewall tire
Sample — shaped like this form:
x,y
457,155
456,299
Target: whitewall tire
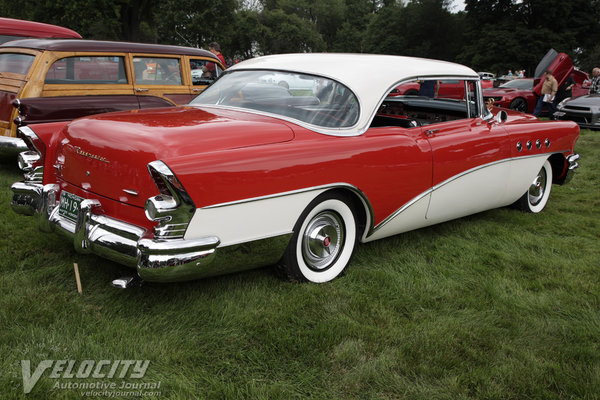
x,y
536,197
323,241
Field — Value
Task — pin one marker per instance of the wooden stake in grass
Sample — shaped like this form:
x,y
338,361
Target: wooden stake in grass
x,y
77,278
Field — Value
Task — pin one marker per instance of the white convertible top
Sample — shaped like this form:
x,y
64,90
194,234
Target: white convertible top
x,y
370,76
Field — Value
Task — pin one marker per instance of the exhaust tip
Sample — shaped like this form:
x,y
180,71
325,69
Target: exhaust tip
x,y
127,282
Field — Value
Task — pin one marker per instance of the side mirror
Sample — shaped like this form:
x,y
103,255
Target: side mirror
x,y
501,117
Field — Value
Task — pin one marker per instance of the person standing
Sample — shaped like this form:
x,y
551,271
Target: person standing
x,y
214,48
595,85
549,89
566,90
209,68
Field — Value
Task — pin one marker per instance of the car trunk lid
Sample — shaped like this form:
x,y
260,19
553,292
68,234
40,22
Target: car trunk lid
x,y
108,154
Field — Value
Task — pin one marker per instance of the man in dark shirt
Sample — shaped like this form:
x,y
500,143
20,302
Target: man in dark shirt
x,y
595,86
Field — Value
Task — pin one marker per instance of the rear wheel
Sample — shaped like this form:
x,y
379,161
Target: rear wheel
x,y
536,198
323,241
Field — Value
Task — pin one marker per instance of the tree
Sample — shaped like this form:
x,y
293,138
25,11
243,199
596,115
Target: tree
x,y
423,28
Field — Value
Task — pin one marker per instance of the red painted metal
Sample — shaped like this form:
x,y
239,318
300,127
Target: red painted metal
x,y
18,27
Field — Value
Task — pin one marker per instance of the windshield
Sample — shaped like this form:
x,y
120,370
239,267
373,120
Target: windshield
x,y
311,99
15,63
526,84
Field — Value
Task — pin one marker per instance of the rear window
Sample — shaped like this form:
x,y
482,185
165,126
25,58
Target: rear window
x,y
311,99
16,63
87,70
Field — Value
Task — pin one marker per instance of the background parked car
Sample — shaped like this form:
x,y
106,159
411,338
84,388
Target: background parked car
x,y
516,94
14,29
440,89
585,110
58,80
487,79
521,94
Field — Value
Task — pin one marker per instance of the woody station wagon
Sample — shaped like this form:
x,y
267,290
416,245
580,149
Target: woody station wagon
x,y
49,80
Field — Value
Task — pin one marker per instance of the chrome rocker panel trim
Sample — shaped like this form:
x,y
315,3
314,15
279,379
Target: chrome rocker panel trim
x,y
167,260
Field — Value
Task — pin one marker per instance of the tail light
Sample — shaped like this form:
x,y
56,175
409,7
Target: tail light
x,y
32,161
173,208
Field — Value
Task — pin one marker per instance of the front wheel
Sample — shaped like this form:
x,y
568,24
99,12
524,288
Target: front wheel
x,y
536,198
518,104
323,241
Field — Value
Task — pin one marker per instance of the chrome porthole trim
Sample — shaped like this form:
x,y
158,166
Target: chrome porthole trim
x,y
547,142
538,143
519,146
529,145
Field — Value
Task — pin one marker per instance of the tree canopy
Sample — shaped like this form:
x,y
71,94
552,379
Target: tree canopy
x,y
491,35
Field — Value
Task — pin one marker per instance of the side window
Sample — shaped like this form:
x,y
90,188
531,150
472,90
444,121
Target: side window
x,y
427,101
157,71
204,72
87,70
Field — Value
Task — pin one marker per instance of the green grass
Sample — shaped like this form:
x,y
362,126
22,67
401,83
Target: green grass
x,y
499,305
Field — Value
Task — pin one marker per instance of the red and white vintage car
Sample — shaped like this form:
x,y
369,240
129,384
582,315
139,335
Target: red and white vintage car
x,y
250,174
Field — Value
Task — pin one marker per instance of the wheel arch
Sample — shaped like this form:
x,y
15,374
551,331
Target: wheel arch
x,y
559,164
359,203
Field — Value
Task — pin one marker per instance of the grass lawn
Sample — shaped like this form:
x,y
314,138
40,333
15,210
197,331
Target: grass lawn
x,y
499,305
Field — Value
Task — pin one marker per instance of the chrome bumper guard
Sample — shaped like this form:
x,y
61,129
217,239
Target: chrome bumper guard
x,y
573,165
124,243
11,145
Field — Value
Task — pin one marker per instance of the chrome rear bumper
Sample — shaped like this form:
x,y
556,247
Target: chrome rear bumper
x,y
165,260
11,145
124,243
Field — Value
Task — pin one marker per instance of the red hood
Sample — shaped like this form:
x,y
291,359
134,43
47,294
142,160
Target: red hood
x,y
107,154
501,91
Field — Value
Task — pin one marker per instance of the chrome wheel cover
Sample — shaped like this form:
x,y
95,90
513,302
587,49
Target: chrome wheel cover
x,y
323,240
538,188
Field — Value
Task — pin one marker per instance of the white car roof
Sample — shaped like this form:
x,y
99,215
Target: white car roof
x,y
370,76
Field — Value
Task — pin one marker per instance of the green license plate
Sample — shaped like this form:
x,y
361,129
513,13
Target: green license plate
x,y
69,206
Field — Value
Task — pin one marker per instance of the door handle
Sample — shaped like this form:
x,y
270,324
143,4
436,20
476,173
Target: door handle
x,y
141,90
430,132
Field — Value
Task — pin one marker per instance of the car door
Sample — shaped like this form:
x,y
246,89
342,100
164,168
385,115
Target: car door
x,y
162,77
471,164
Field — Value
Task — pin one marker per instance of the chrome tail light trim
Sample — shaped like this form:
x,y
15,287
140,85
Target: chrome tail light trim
x,y
173,209
31,162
